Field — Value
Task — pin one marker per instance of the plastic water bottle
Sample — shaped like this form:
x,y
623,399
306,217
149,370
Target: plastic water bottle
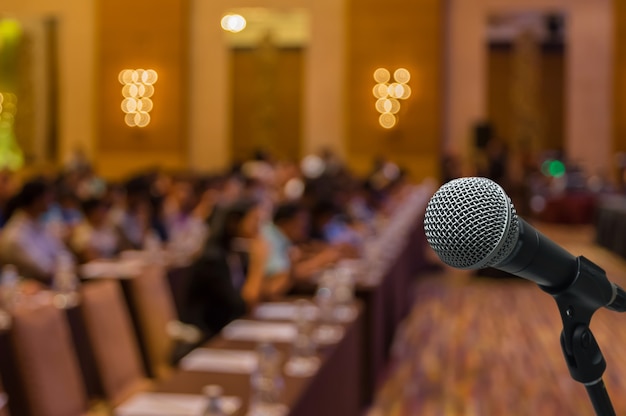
x,y
267,382
213,393
303,361
9,282
65,282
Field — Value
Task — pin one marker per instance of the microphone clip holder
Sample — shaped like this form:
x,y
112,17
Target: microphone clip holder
x,y
590,291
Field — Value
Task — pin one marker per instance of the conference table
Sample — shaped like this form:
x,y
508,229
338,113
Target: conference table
x,y
350,369
383,283
333,390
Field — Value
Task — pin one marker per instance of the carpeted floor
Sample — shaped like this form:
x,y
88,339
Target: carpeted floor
x,y
490,346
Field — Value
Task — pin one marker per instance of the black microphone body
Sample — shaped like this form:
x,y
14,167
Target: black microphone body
x,y
472,224
537,258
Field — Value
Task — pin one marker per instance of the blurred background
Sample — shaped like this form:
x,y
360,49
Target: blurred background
x,y
528,80
150,125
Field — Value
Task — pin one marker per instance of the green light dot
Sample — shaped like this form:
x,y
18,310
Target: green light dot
x,y
557,168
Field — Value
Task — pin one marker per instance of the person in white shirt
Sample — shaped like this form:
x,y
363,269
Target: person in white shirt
x,y
25,241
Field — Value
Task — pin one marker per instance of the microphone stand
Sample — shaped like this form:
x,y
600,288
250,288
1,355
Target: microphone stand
x,y
589,292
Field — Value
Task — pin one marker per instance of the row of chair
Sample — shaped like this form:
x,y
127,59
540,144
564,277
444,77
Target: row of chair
x,y
60,361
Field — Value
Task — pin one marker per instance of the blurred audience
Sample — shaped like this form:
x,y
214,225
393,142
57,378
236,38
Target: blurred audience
x,y
246,235
25,241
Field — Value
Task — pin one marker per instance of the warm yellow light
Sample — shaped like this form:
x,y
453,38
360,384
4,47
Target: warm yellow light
x,y
149,77
398,90
140,73
402,75
125,76
380,90
142,119
389,93
148,90
391,90
380,105
387,105
129,105
381,75
136,91
10,98
7,117
387,120
130,119
133,91
406,93
146,104
233,23
394,106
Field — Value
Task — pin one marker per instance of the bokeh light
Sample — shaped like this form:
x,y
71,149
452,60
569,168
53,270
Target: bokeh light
x,y
233,23
381,75
137,90
388,94
387,120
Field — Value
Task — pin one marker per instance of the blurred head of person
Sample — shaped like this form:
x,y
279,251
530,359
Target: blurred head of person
x,y
232,189
137,194
34,198
322,213
241,219
293,219
96,211
183,193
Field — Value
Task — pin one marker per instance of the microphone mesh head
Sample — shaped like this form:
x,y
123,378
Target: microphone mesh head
x,y
471,223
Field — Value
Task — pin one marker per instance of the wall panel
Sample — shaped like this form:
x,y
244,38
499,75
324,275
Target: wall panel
x,y
395,34
134,35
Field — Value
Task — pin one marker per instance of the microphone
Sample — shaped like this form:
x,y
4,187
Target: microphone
x,y
471,223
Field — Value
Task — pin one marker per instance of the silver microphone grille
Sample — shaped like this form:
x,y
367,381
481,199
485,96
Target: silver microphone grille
x,y
471,223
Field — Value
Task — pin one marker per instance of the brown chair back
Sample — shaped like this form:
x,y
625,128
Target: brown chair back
x,y
154,308
46,362
112,339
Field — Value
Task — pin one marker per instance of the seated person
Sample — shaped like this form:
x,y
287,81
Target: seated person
x,y
287,262
186,227
25,241
94,237
133,219
329,224
226,278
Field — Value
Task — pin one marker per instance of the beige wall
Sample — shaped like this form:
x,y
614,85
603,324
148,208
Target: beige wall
x,y
209,130
589,61
407,35
208,115
76,65
158,43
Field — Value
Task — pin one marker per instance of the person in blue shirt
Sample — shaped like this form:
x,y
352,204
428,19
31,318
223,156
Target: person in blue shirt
x,y
287,262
